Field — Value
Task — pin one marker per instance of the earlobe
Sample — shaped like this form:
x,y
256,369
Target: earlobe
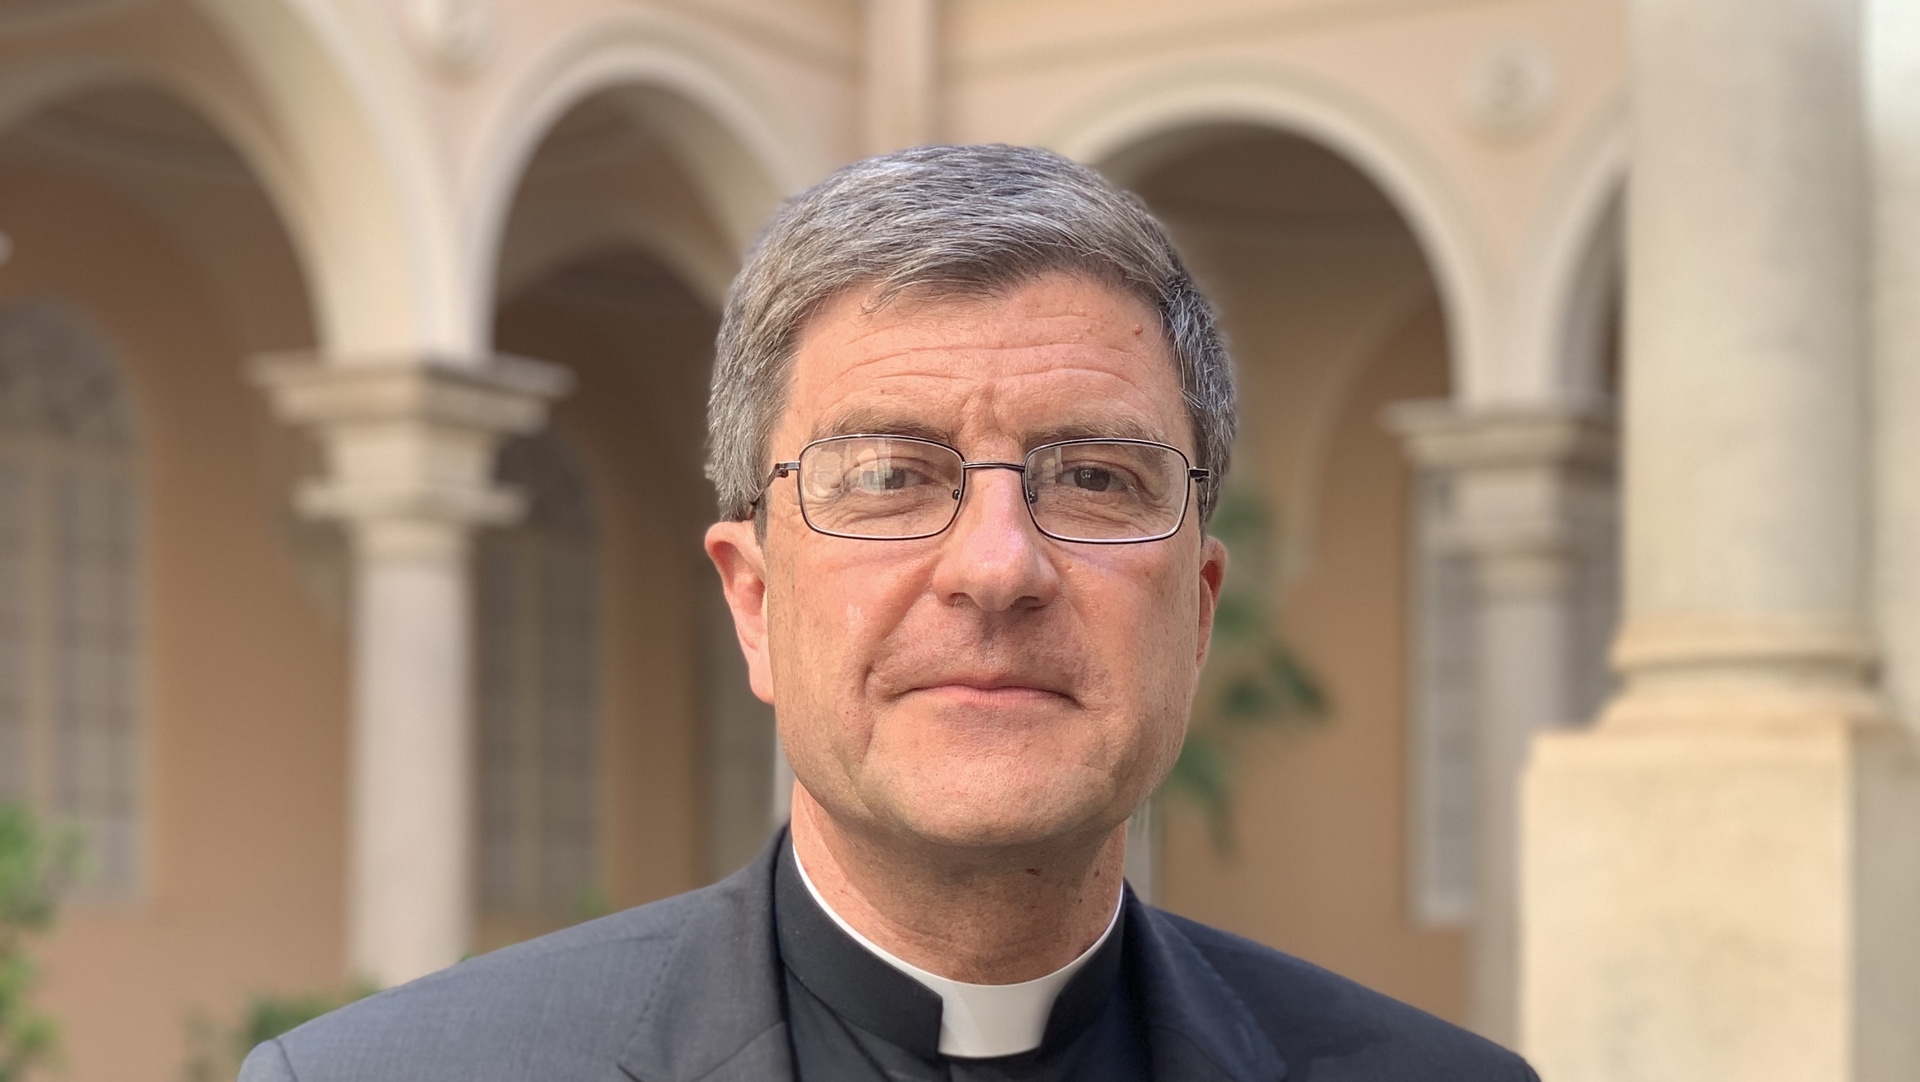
x,y
735,551
1213,572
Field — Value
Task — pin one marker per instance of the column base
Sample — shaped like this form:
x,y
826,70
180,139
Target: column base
x,y
1722,900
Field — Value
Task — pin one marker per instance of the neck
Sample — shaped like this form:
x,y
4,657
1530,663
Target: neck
x,y
978,916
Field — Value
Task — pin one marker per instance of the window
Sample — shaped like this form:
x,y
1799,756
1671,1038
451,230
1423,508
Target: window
x,y
69,588
536,695
1443,748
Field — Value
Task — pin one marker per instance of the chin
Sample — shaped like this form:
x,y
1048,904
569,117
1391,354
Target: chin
x,y
989,832
993,814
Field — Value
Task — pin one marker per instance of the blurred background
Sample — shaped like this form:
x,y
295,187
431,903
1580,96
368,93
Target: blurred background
x,y
353,364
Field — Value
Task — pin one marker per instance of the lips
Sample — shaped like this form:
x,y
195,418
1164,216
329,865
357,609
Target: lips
x,y
996,686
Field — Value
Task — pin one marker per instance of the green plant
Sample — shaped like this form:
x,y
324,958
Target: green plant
x,y
1253,678
216,1050
33,867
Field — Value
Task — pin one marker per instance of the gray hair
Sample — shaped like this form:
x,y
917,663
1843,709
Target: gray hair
x,y
948,220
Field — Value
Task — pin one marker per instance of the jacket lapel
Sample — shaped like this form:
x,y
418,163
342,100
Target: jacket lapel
x,y
715,1012
1197,1027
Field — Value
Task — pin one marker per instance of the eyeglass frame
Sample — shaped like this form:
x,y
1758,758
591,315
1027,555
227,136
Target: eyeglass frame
x,y
1194,475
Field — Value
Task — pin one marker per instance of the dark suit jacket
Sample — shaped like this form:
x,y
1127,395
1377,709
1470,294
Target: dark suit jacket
x,y
689,988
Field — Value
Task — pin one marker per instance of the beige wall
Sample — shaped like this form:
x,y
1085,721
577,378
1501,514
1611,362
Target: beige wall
x,y
641,346
1320,869
1331,315
244,670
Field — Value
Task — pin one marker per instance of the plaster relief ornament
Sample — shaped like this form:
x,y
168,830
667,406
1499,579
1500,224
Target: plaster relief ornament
x,y
456,35
1509,90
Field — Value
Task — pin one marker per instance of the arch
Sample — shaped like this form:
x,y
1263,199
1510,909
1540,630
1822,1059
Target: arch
x,y
1131,127
362,195
345,164
1567,280
685,86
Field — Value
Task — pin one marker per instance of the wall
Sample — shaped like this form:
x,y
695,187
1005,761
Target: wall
x,y
641,346
1331,315
245,669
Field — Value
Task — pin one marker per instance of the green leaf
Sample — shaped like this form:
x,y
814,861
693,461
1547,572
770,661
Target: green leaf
x,y
1253,679
1298,688
32,870
1247,699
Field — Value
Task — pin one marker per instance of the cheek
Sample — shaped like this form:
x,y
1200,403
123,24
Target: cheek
x,y
829,621
1146,632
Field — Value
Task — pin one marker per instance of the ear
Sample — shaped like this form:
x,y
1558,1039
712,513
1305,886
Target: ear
x,y
735,552
1213,572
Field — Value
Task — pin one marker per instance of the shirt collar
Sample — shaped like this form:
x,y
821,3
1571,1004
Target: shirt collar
x,y
975,1020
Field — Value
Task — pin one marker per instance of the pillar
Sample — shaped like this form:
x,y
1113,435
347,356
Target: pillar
x,y
409,450
1719,879
900,74
1893,112
1529,503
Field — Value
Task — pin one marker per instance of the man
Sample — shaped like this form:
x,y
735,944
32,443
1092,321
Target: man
x,y
969,418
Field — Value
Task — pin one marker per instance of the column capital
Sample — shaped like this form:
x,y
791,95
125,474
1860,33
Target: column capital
x,y
1443,434
409,441
1523,482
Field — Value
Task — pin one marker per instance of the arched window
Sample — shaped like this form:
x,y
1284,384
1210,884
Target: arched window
x,y
536,694
69,587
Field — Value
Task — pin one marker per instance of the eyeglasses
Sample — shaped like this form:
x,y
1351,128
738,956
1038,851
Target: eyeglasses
x,y
899,488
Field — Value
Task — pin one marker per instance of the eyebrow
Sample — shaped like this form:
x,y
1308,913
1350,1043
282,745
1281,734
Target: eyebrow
x,y
875,422
879,422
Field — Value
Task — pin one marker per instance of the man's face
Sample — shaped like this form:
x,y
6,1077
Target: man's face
x,y
988,686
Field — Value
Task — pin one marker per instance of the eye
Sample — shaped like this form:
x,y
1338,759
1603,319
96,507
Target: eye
x,y
886,477
1093,479
889,473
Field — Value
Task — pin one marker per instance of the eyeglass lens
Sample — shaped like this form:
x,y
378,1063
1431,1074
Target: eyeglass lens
x,y
1082,490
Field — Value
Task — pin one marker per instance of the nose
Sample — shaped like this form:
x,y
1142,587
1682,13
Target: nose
x,y
992,556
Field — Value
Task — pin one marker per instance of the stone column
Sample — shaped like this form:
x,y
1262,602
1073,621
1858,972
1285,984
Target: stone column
x,y
409,449
1893,98
1720,880
900,74
1529,503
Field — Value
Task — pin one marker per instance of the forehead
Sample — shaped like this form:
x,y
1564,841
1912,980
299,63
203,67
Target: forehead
x,y
1058,357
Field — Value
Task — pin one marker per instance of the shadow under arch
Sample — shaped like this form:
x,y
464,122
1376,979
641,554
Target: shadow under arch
x,y
683,759
687,90
1130,129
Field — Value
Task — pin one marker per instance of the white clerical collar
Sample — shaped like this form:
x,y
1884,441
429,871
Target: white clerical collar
x,y
979,1020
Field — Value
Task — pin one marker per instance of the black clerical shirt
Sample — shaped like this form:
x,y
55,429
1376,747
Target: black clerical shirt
x,y
854,1018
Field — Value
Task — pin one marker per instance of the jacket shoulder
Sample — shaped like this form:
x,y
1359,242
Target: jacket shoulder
x,y
1332,1029
555,1007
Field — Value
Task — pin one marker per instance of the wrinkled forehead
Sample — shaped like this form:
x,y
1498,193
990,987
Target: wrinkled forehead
x,y
1060,356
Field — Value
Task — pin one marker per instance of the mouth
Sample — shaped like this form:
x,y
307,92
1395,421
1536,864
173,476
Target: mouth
x,y
993,690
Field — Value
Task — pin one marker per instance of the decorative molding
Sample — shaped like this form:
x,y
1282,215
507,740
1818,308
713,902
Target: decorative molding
x,y
455,35
1509,90
1527,488
410,444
